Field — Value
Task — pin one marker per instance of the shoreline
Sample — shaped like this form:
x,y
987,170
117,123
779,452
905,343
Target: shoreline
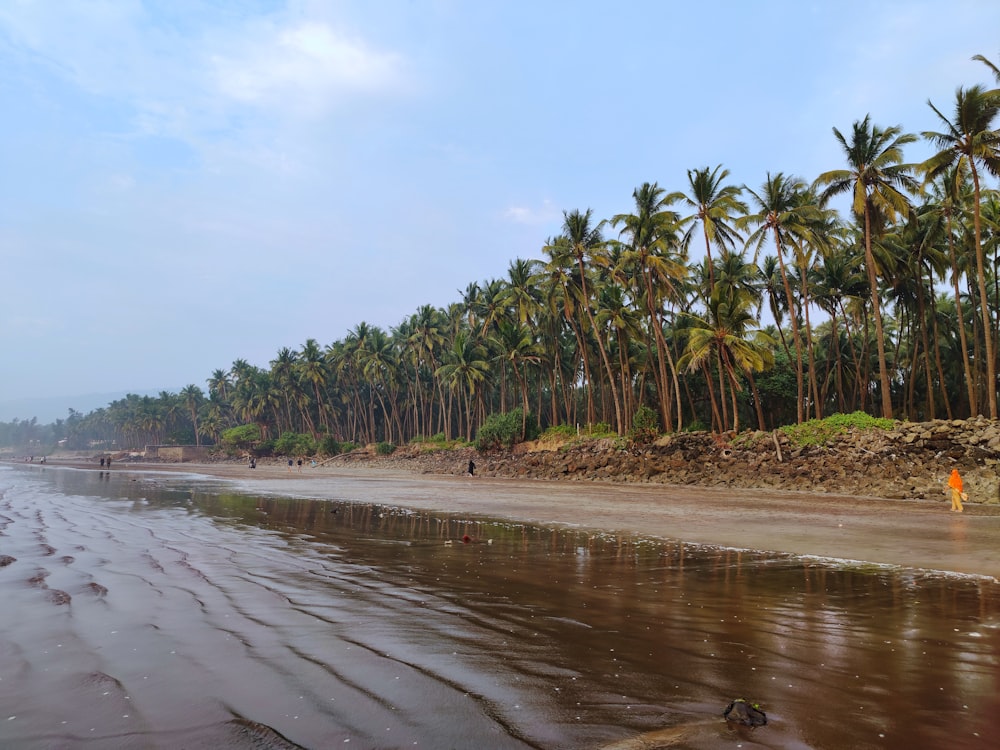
x,y
916,534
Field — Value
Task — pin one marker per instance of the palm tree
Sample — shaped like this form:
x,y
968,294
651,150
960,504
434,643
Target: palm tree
x,y
515,345
970,141
219,384
311,368
283,377
945,215
587,244
464,370
649,257
992,66
877,178
715,208
787,218
729,336
193,397
521,294
425,341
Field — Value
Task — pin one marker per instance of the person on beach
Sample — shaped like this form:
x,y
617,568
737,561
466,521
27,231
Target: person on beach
x,y
957,496
108,462
102,462
472,468
300,466
289,466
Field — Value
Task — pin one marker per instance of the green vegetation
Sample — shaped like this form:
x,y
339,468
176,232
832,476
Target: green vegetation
x,y
718,306
503,430
645,426
243,437
385,449
825,431
329,447
295,444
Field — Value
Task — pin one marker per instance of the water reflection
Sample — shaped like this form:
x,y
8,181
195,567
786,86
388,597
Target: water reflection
x,y
450,632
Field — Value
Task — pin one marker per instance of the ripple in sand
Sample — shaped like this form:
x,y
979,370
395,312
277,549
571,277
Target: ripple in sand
x,y
96,588
39,578
58,597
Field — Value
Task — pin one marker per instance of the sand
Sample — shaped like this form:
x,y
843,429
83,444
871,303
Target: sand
x,y
909,533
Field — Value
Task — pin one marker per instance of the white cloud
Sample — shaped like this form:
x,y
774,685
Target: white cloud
x,y
304,67
532,215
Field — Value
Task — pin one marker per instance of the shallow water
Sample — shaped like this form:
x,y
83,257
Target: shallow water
x,y
166,611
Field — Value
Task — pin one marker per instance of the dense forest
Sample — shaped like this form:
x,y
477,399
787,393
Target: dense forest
x,y
791,312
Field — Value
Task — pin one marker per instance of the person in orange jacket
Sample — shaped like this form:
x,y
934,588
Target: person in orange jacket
x,y
957,496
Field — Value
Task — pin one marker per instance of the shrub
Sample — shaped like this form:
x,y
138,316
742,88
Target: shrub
x,y
503,430
559,431
328,446
695,425
243,436
295,444
645,426
384,449
825,431
348,446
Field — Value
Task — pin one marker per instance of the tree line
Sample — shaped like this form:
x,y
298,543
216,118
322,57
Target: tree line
x,y
792,311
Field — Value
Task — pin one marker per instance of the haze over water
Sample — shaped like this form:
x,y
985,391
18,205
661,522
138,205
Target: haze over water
x,y
164,611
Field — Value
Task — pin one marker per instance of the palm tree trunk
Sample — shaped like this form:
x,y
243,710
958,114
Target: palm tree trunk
x,y
877,311
796,338
988,328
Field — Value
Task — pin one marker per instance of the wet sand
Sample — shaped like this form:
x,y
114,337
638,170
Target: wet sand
x,y
908,533
215,607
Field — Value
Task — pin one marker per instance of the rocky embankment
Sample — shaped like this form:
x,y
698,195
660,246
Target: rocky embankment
x,y
911,461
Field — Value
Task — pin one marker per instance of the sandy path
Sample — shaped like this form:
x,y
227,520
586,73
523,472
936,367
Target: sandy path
x,y
909,533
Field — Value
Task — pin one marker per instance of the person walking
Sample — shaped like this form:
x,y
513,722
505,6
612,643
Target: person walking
x,y
472,468
957,495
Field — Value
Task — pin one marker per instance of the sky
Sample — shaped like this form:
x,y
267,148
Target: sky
x,y
185,183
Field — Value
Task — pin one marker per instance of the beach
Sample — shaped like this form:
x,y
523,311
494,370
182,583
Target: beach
x,y
214,605
917,534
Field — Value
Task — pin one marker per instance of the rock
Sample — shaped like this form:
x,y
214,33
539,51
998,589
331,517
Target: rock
x,y
745,714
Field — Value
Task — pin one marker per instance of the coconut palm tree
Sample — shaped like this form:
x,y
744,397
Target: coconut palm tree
x,y
516,346
716,208
729,335
587,247
193,398
878,180
219,384
464,370
562,293
652,257
425,341
970,140
989,64
311,368
782,214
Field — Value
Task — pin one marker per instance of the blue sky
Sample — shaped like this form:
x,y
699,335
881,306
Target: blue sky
x,y
186,183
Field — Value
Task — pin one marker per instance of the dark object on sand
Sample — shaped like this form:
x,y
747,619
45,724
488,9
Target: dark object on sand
x,y
747,714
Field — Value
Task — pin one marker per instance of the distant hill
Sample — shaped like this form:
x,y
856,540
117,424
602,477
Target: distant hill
x,y
47,410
